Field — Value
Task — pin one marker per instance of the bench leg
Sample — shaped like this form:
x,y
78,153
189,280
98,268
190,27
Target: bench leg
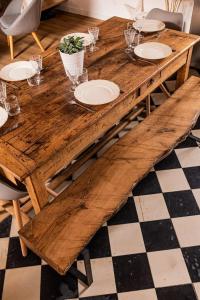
x,y
88,278
195,138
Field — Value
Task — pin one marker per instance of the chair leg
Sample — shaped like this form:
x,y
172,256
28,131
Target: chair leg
x,y
18,216
148,105
37,41
10,43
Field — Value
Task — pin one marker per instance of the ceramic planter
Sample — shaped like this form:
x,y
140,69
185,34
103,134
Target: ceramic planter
x,y
73,63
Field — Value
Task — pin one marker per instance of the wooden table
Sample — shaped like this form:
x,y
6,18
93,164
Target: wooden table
x,y
51,132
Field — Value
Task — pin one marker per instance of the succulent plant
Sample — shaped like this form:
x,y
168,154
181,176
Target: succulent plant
x,y
71,45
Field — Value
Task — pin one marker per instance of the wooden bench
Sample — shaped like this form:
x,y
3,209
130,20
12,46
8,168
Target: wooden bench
x,y
63,228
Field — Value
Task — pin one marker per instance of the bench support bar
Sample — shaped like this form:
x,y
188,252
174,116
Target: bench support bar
x,y
88,278
195,138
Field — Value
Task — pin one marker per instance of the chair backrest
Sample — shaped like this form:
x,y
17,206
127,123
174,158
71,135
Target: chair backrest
x,y
28,19
9,191
172,20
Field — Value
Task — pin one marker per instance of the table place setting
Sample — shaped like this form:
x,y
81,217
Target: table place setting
x,y
148,52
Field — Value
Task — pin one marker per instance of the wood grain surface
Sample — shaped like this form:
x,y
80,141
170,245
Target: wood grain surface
x,y
62,229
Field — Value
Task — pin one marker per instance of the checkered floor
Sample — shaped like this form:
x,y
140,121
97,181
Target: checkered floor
x,y
149,251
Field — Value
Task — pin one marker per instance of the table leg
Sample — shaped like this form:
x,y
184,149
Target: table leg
x,y
183,73
37,192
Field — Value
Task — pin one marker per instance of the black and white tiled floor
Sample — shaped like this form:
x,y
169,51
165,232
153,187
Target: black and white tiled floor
x,y
149,251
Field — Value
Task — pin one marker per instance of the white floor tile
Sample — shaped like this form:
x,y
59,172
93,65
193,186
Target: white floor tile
x,y
196,132
151,207
138,295
168,268
22,284
103,275
126,239
188,157
197,289
187,230
196,193
172,180
158,98
3,252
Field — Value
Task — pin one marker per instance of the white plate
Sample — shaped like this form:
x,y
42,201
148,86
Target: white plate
x,y
86,37
97,92
3,116
153,50
148,25
17,71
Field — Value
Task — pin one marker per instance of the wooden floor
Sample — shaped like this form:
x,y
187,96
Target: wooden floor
x,y
50,32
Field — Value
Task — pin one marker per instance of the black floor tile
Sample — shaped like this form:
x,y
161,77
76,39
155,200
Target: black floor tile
x,y
192,259
197,126
180,292
187,144
54,286
5,227
15,258
149,185
159,235
132,272
193,177
127,214
103,297
181,204
100,244
170,162
2,275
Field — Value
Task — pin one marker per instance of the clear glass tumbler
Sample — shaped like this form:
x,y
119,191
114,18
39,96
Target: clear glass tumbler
x,y
12,105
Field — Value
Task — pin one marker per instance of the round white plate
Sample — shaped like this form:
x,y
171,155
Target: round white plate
x,y
148,25
86,37
97,92
3,116
153,50
17,71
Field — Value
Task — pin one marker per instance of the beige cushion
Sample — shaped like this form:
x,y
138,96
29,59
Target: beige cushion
x,y
25,4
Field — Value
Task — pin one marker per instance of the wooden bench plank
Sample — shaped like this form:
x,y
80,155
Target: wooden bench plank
x,y
62,229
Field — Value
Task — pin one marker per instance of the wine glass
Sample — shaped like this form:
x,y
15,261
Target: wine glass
x,y
94,35
73,77
129,35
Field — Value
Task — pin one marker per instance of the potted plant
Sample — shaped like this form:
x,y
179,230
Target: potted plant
x,y
72,54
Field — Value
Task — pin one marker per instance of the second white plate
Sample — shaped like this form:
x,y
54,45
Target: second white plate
x,y
148,25
97,92
153,50
17,71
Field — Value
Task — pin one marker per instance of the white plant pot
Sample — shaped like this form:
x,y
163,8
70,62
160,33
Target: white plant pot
x,y
73,63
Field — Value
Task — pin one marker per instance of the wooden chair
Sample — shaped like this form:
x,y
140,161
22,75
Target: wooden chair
x,y
10,192
16,21
60,232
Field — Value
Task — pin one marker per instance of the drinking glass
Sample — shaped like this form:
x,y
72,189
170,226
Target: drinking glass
x,y
94,34
129,35
83,77
38,60
35,80
73,78
12,105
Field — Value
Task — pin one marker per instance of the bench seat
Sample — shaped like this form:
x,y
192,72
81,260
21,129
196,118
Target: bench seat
x,y
63,228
